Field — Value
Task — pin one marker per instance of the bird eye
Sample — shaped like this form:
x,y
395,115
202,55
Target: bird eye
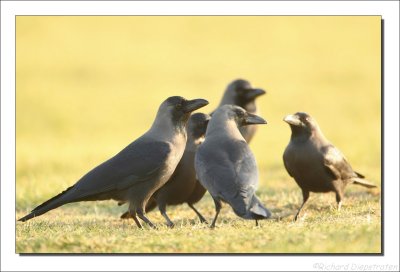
x,y
241,91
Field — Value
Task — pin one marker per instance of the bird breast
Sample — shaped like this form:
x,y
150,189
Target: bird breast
x,y
177,148
300,157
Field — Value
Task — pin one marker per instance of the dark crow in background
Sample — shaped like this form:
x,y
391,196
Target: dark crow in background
x,y
135,173
225,165
182,187
240,93
314,163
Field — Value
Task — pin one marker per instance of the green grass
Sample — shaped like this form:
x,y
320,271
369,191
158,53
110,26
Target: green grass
x,y
87,86
96,228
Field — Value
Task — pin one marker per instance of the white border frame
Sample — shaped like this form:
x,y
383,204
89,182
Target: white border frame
x,y
389,10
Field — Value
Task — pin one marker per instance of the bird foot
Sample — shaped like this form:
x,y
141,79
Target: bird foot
x,y
339,207
300,218
303,217
213,226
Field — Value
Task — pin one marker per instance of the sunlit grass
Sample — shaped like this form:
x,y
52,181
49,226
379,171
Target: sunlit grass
x,y
87,86
96,227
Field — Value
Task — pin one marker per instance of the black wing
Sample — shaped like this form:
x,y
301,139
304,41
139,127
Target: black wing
x,y
228,171
288,158
138,162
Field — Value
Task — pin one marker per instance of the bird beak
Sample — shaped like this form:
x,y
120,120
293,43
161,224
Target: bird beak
x,y
192,105
252,119
292,120
253,93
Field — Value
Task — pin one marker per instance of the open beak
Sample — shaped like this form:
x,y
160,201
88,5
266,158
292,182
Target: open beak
x,y
252,119
253,93
192,105
292,119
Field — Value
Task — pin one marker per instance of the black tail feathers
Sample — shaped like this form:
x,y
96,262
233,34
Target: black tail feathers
x,y
46,206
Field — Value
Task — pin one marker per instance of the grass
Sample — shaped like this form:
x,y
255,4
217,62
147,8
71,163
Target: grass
x,y
96,228
87,86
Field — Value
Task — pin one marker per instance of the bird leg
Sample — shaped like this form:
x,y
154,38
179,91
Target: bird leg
x,y
202,219
306,195
256,223
132,213
141,215
339,200
163,211
217,209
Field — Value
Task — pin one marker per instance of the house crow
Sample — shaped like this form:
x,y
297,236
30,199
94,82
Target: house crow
x,y
314,163
225,165
137,171
182,187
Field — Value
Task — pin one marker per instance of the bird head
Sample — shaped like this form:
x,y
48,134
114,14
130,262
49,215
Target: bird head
x,y
239,92
176,110
179,108
241,116
197,125
301,123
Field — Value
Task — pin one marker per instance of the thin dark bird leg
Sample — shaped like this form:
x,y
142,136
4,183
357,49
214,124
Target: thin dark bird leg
x,y
217,210
256,223
339,197
141,215
202,219
306,195
163,211
132,213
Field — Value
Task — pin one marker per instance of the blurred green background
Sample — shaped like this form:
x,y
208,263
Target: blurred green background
x,y
88,86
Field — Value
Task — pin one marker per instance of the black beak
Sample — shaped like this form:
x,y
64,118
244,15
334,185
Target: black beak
x,y
253,93
192,105
252,119
292,119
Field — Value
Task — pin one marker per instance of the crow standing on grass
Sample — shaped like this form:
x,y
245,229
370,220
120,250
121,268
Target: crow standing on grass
x,y
240,93
314,163
225,165
183,187
141,168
